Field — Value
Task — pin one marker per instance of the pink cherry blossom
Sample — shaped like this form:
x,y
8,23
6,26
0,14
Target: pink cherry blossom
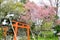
x,y
40,12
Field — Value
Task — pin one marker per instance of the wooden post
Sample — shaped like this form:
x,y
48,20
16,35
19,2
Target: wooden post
x,y
5,29
22,26
15,31
28,34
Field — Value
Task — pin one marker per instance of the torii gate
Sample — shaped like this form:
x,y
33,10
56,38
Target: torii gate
x,y
17,25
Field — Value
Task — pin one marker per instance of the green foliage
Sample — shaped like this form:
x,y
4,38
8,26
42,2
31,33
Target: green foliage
x,y
57,27
52,38
1,1
10,6
33,25
1,33
47,33
49,38
20,7
47,25
23,1
56,17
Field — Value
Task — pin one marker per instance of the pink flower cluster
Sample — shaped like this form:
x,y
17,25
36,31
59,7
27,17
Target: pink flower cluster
x,y
40,12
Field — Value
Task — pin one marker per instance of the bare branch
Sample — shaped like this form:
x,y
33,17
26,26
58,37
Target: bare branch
x,y
50,2
57,5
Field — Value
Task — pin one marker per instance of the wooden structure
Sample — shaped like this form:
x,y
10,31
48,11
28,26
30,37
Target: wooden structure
x,y
17,25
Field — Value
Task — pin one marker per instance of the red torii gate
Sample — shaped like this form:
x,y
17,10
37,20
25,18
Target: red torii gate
x,y
17,25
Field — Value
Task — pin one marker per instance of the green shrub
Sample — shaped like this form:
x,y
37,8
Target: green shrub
x,y
1,34
57,28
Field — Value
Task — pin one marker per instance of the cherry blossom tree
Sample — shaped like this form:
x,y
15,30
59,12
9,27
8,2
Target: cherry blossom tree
x,y
40,12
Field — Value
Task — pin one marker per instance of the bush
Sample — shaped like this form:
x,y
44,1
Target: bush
x,y
57,28
1,32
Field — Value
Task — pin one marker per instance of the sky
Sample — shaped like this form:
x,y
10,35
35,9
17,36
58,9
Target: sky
x,y
46,2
